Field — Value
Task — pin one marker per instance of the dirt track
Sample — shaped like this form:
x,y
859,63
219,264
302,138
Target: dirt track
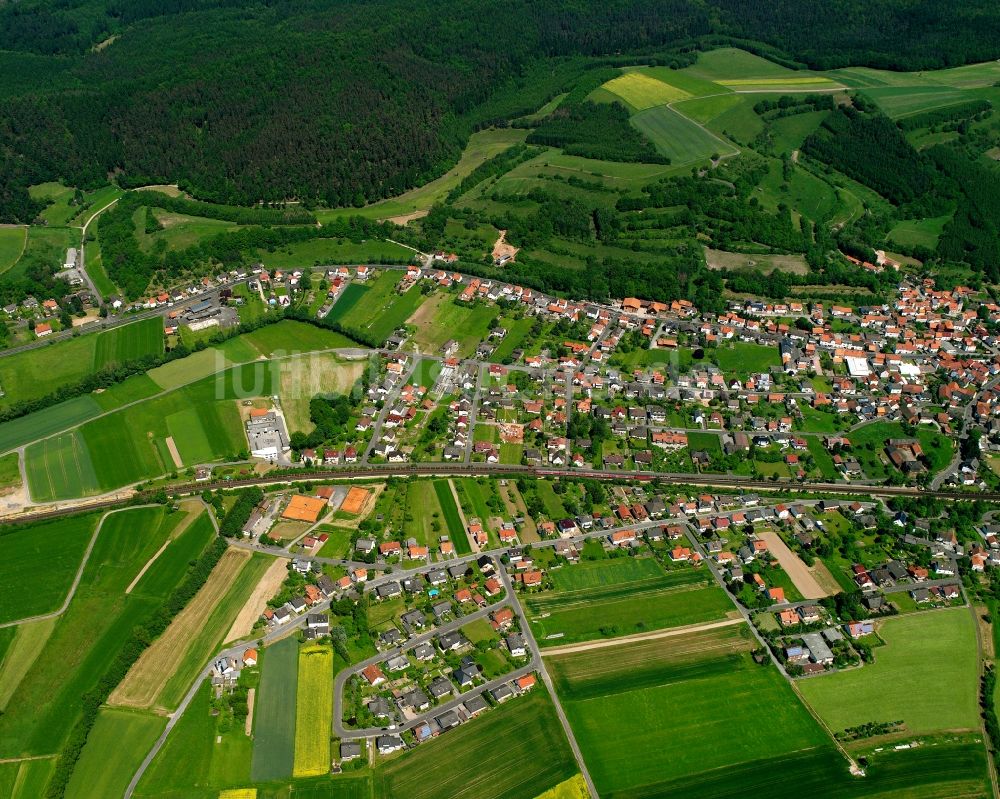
x,y
803,579
586,646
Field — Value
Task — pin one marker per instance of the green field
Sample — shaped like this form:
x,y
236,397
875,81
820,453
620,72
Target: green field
x,y
289,336
326,251
640,90
900,101
452,521
899,685
60,467
179,231
442,319
313,711
87,638
129,343
26,779
869,441
482,146
209,634
515,751
12,244
45,422
608,599
274,713
106,765
376,309
942,771
54,549
677,137
422,510
723,709
743,359
919,232
199,757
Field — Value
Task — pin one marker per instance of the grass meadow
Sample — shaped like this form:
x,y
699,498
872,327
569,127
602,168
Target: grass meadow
x,y
516,751
925,675
53,548
313,711
25,779
441,318
377,310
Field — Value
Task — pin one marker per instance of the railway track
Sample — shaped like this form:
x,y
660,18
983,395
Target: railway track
x,y
502,470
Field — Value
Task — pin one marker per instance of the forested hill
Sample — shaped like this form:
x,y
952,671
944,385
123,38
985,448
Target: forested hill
x,y
342,103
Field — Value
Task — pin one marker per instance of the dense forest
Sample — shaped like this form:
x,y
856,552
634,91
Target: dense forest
x,y
342,104
594,130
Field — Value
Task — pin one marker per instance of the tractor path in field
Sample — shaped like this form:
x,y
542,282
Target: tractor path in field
x,y
603,643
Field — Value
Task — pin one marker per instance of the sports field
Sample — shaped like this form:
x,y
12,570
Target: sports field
x,y
723,709
677,137
54,549
313,711
607,599
641,91
274,713
925,675
115,747
516,751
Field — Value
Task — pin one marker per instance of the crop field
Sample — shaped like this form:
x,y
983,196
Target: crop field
x,y
729,62
677,137
274,713
452,521
314,711
705,109
380,310
90,634
60,468
133,389
707,684
289,336
641,91
598,573
52,548
441,318
204,428
474,761
901,101
12,243
129,343
301,379
610,609
106,765
899,684
25,779
173,560
45,422
19,650
38,372
166,669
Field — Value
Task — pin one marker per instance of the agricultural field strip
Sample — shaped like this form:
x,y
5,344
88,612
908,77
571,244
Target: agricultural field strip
x,y
79,572
581,597
180,387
